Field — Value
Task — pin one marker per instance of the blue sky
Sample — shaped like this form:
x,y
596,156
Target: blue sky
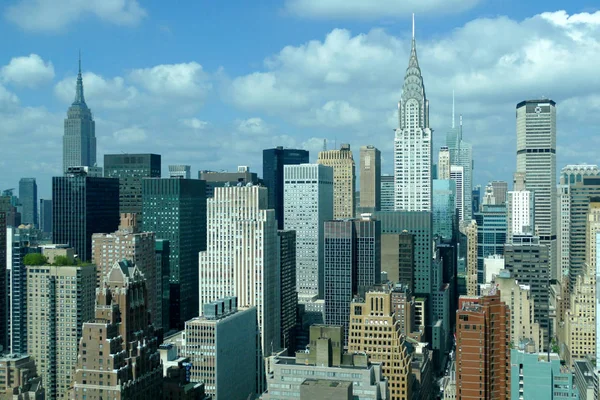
x,y
212,83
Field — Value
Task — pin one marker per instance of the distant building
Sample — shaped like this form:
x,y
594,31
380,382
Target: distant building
x,y
274,162
470,230
519,213
499,190
492,265
28,199
443,163
370,178
585,379
287,284
214,179
3,285
344,180
457,174
45,222
461,154
387,193
176,383
180,171
19,379
398,258
491,234
444,208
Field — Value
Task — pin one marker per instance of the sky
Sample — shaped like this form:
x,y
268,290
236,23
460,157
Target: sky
x,y
212,83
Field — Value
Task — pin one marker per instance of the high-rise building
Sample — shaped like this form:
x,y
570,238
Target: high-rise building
x,y
352,263
45,223
412,143
162,251
476,199
536,157
461,154
519,209
444,208
3,284
471,259
139,247
274,161
344,180
79,140
491,234
246,266
420,224
81,206
597,299
457,174
19,379
214,179
527,260
53,329
398,258
180,171
287,283
184,226
28,199
118,351
375,316
387,193
308,199
443,166
130,169
499,189
370,178
221,345
483,351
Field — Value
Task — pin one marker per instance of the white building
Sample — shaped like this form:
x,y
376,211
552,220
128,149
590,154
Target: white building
x,y
412,143
492,265
519,213
308,203
444,163
180,171
241,258
457,174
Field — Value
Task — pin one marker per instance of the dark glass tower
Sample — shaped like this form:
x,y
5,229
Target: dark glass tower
x,y
130,169
45,216
175,209
273,162
287,282
81,206
28,198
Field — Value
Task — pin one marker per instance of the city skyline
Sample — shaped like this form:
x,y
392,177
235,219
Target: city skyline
x,y
210,95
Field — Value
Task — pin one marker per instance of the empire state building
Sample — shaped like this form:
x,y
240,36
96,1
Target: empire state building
x,y
79,141
412,143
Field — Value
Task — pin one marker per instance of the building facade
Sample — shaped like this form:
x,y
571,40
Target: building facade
x,y
461,154
28,199
287,283
370,178
519,213
444,207
45,223
344,180
180,171
19,379
443,167
491,234
214,179
398,258
387,193
3,284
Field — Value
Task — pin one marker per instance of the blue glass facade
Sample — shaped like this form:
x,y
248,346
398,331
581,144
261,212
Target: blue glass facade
x,y
444,208
491,234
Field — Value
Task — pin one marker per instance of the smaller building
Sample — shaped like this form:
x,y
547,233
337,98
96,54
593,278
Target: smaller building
x,y
324,389
585,379
180,171
214,179
19,379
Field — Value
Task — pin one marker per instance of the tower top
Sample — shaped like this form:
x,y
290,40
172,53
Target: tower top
x,y
79,98
413,26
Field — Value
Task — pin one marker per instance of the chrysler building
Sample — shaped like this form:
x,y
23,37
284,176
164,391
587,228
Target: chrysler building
x,y
412,144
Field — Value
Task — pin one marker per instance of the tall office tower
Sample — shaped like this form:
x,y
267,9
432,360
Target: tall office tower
x,y
139,247
326,360
536,156
221,345
597,300
476,199
214,179
308,199
45,223
499,189
53,329
444,208
81,206
457,174
352,264
118,351
3,284
398,258
184,226
28,198
377,312
483,361
519,209
274,161
527,260
461,154
130,169
443,167
246,267
420,224
491,234
387,193
79,140
412,143
370,178
344,179
180,171
287,284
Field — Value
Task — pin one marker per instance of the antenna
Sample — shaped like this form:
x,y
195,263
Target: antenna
x,y
413,26
80,61
324,144
453,110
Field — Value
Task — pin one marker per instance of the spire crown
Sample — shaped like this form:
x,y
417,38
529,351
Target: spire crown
x,y
79,98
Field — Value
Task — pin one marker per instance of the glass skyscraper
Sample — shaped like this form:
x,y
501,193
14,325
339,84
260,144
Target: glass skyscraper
x,y
444,208
491,234
28,199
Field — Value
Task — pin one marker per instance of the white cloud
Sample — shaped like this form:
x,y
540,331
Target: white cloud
x,y
362,9
184,80
7,99
338,113
55,15
131,135
30,71
100,92
253,125
263,91
194,123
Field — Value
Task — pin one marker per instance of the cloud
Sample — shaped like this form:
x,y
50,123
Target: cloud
x,y
7,99
338,113
253,125
56,15
361,9
100,92
194,123
30,71
132,135
184,80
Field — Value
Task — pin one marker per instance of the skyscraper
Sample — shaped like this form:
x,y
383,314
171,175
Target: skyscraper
x,y
491,235
81,206
536,157
444,207
28,198
274,161
3,285
45,223
79,141
412,143
130,169
457,174
444,163
287,283
214,179
499,189
387,193
370,178
519,209
461,154
184,226
344,180
398,258
308,199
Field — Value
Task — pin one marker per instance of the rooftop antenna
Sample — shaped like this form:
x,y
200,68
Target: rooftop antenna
x,y
79,61
324,144
453,110
413,26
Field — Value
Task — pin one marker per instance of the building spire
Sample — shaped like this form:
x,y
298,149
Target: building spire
x,y
79,99
413,26
413,62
